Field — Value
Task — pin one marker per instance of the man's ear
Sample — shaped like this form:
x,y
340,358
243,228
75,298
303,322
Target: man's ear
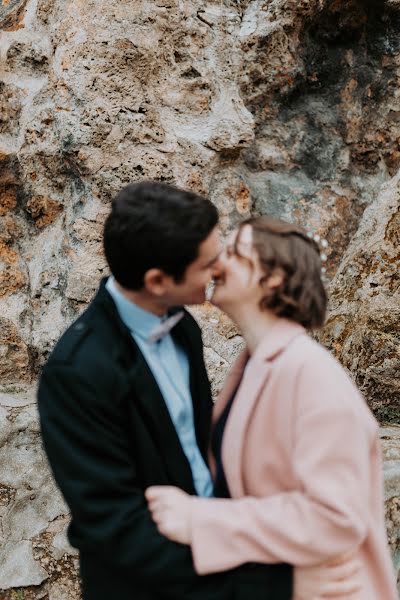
x,y
155,282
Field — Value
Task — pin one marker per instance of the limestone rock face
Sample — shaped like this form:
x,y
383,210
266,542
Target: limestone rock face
x,y
289,107
35,556
363,327
284,107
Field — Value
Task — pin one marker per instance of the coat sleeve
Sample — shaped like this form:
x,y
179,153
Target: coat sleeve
x,y
89,452
327,514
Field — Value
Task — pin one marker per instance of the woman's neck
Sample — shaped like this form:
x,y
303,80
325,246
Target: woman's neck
x,y
253,323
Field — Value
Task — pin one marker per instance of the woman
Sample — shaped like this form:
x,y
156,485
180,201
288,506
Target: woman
x,y
294,443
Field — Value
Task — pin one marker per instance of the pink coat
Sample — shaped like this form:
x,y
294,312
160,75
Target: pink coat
x,y
302,461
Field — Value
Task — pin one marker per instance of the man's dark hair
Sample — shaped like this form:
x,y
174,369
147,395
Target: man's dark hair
x,y
155,225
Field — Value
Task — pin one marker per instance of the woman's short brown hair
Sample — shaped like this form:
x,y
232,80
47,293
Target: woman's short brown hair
x,y
286,247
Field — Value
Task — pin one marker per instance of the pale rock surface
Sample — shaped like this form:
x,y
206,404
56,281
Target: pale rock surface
x,y
363,326
277,106
34,553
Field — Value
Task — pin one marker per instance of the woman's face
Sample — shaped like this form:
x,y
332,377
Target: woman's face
x,y
237,279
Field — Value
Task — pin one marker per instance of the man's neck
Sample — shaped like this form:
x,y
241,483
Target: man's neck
x,y
143,300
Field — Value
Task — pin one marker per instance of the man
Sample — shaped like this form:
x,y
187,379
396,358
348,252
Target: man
x,y
125,403
123,406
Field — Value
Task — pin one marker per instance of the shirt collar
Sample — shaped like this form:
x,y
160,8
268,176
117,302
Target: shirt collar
x,y
139,321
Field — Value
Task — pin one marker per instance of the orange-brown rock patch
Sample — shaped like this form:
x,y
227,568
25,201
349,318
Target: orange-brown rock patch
x,y
12,13
8,201
14,353
43,210
11,280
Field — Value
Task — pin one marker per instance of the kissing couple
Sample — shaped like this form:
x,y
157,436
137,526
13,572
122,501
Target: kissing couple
x,y
275,493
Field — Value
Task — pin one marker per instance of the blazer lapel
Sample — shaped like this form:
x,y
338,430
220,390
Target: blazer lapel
x,y
233,378
187,335
147,397
153,409
230,386
253,381
247,395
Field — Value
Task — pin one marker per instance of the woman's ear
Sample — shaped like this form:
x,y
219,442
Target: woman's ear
x,y
275,280
155,282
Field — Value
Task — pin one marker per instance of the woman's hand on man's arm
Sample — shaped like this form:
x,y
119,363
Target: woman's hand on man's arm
x,y
171,509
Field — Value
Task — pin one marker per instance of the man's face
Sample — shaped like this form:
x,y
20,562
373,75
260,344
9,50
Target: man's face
x,y
192,289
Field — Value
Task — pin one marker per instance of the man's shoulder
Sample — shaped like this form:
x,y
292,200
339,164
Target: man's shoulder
x,y
77,347
91,343
80,361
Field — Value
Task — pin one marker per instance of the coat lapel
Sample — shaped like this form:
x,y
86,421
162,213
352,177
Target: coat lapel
x,y
247,395
148,398
254,379
150,402
231,384
187,335
153,409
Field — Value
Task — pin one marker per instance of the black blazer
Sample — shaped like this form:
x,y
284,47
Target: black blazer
x,y
108,436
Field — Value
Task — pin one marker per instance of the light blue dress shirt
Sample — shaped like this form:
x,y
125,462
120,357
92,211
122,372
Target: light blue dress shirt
x,y
170,367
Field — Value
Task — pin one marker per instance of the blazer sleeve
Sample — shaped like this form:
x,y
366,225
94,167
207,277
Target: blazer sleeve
x,y
327,514
88,450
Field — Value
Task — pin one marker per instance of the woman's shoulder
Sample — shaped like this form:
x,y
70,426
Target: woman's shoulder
x,y
307,353
322,380
308,358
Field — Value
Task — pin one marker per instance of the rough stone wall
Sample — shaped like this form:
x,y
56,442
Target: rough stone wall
x,y
283,106
363,327
35,557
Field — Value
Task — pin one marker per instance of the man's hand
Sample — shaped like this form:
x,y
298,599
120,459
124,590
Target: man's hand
x,y
339,579
170,510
